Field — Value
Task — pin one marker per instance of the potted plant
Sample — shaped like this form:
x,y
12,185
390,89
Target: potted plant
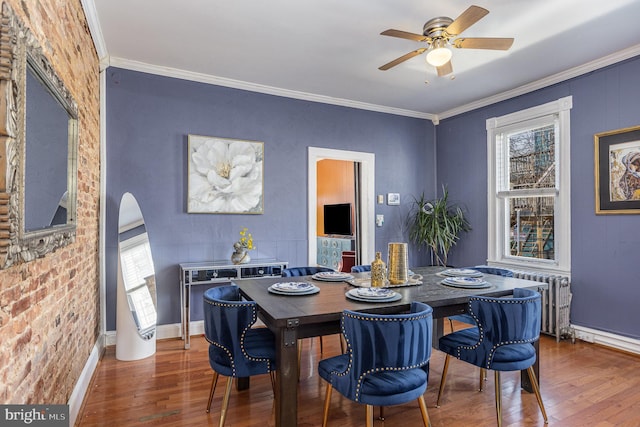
x,y
437,224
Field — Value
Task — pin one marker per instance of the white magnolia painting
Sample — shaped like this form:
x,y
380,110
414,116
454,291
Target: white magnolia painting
x,y
225,175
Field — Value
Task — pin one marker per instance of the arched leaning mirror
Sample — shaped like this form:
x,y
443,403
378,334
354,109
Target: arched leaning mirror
x,y
38,149
136,303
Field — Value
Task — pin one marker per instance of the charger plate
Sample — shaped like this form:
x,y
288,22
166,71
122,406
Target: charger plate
x,y
353,295
310,290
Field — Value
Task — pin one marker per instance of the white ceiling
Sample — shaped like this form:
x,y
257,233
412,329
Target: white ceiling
x,y
330,50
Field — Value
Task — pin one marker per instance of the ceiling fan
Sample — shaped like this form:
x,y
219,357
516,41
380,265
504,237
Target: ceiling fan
x,y
438,32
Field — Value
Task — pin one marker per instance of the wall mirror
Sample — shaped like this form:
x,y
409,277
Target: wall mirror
x,y
136,303
38,149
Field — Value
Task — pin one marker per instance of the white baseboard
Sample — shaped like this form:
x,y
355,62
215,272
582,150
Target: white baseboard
x,y
163,332
607,339
80,389
173,330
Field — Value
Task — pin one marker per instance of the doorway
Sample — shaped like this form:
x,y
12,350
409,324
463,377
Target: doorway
x,y
365,170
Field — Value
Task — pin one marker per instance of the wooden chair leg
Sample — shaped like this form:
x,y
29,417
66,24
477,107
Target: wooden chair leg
x,y
536,390
225,401
381,416
213,389
444,378
498,398
321,345
369,415
423,410
272,375
483,377
327,402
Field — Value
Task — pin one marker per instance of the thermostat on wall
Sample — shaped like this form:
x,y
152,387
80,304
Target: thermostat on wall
x,y
393,199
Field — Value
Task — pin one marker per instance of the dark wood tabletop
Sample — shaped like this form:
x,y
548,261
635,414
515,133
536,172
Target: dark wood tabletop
x,y
302,316
328,304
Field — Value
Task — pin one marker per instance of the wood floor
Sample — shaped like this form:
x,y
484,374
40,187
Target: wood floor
x,y
582,384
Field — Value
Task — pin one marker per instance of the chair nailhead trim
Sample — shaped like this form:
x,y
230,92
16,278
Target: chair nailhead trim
x,y
254,318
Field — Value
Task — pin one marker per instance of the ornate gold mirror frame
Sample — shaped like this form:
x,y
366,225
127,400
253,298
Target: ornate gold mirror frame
x,y
20,54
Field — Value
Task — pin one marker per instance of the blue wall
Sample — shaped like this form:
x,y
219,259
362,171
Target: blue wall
x,y
148,120
605,255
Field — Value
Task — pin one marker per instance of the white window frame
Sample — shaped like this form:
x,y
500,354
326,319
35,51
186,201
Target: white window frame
x,y
498,216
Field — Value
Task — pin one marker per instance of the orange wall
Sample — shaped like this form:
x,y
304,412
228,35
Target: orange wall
x,y
336,183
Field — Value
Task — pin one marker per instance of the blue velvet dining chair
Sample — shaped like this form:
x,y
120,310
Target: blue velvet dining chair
x,y
384,361
502,340
361,268
468,319
236,350
486,269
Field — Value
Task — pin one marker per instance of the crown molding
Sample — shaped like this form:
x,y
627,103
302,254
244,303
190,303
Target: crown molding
x,y
547,81
254,87
91,14
106,61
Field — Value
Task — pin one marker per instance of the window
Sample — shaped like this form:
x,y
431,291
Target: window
x,y
529,211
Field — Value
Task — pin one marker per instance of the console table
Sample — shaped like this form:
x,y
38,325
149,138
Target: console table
x,y
216,273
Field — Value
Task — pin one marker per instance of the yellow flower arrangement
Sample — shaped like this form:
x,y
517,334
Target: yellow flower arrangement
x,y
246,239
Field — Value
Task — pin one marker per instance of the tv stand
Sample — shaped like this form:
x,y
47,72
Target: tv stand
x,y
330,248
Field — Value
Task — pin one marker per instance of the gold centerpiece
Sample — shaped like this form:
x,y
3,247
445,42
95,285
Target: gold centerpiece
x,y
397,263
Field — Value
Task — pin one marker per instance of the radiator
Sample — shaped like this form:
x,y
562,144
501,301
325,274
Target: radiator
x,y
556,303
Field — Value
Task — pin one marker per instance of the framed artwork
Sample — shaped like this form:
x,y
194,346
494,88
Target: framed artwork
x,y
225,175
617,171
393,199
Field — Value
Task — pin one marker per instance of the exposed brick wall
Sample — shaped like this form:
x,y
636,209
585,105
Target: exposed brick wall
x,y
49,308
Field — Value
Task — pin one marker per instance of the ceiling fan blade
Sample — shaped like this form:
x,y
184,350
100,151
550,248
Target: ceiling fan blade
x,y
469,17
402,59
494,43
405,35
445,69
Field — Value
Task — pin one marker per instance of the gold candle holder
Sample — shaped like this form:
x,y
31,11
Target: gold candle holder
x,y
397,263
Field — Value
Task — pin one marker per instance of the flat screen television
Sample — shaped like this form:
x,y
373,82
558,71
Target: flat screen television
x,y
337,219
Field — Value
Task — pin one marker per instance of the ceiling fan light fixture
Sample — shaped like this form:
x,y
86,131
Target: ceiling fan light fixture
x,y
439,54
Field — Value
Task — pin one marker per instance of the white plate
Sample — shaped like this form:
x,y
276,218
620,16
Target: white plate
x,y
464,280
311,291
352,294
374,293
332,276
481,285
293,287
466,272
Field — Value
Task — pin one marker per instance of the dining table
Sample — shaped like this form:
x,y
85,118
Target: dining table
x,y
302,315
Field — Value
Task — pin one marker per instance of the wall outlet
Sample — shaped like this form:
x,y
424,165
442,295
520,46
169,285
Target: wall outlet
x,y
379,220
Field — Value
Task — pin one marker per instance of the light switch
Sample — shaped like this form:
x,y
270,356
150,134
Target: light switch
x,y
379,220
380,199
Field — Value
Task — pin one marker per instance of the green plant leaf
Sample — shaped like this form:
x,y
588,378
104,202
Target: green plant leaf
x,y
436,224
